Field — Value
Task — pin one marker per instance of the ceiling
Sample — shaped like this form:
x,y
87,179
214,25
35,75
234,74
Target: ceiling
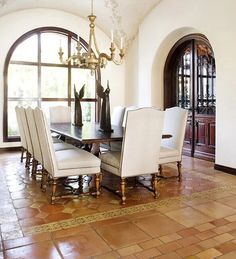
x,y
123,16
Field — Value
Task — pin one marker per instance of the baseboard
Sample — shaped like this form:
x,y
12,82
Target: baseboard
x,y
205,156
225,169
200,155
9,149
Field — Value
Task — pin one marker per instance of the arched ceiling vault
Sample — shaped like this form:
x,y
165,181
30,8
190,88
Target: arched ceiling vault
x,y
123,16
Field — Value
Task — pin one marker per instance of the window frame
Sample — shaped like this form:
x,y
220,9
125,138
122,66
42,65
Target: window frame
x,y
69,99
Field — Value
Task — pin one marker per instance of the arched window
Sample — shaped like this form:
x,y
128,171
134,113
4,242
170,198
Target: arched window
x,y
33,75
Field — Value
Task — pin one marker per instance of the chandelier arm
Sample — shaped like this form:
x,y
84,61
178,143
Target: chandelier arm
x,y
111,58
95,44
118,62
67,61
104,55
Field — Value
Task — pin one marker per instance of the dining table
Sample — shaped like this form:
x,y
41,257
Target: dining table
x,y
90,135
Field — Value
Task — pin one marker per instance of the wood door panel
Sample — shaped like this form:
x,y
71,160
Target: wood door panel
x,y
188,132
205,134
188,138
200,133
211,135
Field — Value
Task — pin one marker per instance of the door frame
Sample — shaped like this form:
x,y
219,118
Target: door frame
x,y
170,84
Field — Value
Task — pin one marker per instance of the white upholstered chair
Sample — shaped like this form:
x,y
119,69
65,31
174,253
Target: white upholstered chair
x,y
33,131
128,108
60,114
38,158
140,148
117,115
117,120
171,148
63,163
24,122
22,133
117,145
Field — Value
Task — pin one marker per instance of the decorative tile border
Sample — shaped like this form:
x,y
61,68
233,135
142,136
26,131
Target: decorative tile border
x,y
165,203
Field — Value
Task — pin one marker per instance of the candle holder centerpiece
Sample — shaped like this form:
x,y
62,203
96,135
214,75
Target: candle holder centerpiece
x,y
78,109
105,118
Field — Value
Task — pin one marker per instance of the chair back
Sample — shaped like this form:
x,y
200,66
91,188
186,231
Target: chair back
x,y
141,143
175,124
25,125
117,116
129,108
34,135
21,129
60,114
48,153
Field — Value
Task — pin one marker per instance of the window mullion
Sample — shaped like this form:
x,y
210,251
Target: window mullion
x,y
69,72
39,70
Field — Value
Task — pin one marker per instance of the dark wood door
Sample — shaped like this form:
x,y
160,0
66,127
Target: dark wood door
x,y
190,84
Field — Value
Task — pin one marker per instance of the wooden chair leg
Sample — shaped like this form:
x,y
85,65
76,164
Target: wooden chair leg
x,y
97,184
153,179
179,165
100,176
122,187
44,180
135,181
34,168
160,170
28,157
154,184
54,187
81,181
22,154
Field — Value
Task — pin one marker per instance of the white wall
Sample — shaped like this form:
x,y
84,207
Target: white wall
x,y
14,25
131,93
167,23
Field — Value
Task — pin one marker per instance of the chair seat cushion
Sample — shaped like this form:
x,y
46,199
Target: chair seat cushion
x,y
76,158
168,152
62,146
111,158
116,146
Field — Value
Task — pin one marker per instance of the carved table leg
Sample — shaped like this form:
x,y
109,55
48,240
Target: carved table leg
x,y
179,165
122,187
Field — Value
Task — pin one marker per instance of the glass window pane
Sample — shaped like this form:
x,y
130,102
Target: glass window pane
x,y
50,44
22,81
12,122
27,50
73,46
88,111
54,82
81,77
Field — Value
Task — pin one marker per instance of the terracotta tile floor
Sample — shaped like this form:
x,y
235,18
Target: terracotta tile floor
x,y
192,219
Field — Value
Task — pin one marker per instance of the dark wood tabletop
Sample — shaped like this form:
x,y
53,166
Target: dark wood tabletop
x,y
89,133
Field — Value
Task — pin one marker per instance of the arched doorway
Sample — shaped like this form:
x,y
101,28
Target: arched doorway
x,y
189,82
